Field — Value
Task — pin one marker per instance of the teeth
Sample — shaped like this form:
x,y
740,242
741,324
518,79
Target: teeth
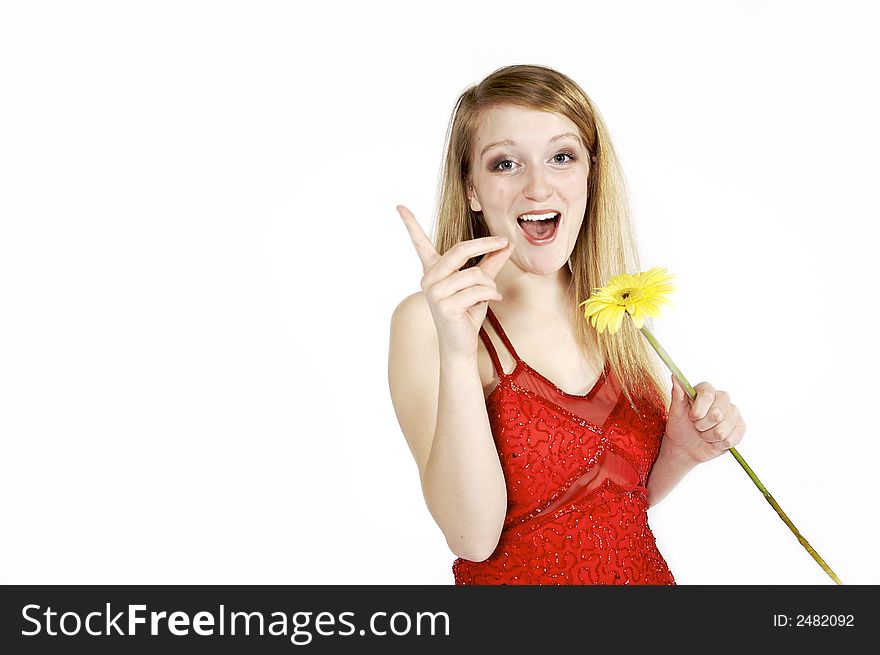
x,y
537,217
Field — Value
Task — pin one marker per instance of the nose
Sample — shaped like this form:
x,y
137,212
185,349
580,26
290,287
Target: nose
x,y
537,184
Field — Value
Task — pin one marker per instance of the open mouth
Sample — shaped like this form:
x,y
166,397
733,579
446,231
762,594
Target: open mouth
x,y
539,229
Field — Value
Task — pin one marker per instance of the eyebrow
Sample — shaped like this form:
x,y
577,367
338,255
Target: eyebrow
x,y
508,142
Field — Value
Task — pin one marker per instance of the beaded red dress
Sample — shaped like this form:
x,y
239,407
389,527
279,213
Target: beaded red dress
x,y
576,469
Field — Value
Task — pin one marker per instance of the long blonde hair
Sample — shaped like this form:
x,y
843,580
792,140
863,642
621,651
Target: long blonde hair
x,y
606,243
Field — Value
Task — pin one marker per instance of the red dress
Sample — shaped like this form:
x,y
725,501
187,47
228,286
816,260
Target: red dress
x,y
576,469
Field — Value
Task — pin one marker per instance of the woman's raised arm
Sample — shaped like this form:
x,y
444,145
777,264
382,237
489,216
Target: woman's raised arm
x,y
437,393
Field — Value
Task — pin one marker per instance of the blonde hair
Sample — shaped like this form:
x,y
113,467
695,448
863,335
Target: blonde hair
x,y
606,244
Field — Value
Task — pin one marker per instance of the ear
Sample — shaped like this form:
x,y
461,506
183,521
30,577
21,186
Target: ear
x,y
472,199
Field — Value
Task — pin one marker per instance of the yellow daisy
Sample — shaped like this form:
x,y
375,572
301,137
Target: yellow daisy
x,y
639,295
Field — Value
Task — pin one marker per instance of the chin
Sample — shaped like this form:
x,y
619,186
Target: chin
x,y
544,268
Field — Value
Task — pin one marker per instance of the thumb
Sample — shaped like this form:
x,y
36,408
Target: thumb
x,y
678,395
495,260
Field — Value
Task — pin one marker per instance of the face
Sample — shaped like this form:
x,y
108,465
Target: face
x,y
530,162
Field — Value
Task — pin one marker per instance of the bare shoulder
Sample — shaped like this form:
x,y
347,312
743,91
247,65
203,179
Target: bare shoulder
x,y
414,343
412,327
415,347
413,313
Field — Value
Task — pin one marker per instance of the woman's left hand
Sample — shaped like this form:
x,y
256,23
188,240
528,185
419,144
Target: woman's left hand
x,y
705,428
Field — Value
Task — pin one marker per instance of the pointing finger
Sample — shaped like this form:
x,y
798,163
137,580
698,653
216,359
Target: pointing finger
x,y
424,248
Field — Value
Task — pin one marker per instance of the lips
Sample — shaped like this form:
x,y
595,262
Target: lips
x,y
538,230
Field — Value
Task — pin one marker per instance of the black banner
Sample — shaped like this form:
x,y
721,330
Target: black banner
x,y
335,619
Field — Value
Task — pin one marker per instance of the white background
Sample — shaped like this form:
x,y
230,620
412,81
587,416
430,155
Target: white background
x,y
199,257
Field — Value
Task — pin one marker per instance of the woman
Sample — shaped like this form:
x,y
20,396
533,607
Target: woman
x,y
533,481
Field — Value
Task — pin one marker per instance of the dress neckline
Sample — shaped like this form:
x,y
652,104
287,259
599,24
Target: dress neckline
x,y
584,396
519,362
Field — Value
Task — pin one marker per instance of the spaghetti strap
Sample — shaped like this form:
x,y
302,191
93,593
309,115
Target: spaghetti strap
x,y
492,319
490,347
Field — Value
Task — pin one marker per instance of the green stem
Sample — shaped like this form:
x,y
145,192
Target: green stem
x,y
692,394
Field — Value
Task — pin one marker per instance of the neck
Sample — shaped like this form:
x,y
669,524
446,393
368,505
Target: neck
x,y
536,294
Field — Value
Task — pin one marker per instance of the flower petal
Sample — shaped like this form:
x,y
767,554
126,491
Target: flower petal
x,y
640,295
602,320
617,320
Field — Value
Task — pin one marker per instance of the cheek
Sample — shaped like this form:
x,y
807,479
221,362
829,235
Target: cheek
x,y
577,182
501,193
576,223
491,220
576,230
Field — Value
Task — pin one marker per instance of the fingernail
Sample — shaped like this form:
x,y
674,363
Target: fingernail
x,y
501,240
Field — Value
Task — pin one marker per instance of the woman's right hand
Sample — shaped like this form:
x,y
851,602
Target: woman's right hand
x,y
458,298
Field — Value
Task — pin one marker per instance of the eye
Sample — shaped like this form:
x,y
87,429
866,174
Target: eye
x,y
497,166
570,156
